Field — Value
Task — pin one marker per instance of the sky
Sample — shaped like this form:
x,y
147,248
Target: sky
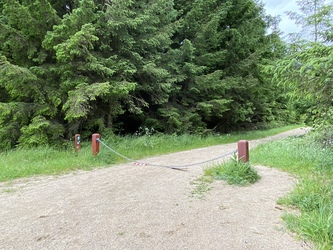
x,y
278,7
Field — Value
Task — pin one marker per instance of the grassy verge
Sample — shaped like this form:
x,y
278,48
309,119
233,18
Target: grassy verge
x,y
45,160
313,195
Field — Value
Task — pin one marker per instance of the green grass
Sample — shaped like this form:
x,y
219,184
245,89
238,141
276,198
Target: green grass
x,y
47,161
137,147
20,163
310,162
313,195
234,172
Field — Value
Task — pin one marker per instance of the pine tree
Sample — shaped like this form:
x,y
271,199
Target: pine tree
x,y
219,79
136,36
89,62
20,56
99,65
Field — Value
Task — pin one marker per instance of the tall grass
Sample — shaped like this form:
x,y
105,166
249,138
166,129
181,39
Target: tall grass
x,y
234,172
313,196
157,144
47,160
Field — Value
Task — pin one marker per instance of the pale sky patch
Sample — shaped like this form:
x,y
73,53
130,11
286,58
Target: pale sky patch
x,y
279,7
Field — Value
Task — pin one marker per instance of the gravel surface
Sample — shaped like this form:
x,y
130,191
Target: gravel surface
x,y
144,207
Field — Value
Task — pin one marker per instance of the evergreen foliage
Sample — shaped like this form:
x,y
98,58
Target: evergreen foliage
x,y
94,65
306,70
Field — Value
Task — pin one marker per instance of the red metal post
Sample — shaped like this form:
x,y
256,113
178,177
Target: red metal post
x,y
95,144
77,142
243,151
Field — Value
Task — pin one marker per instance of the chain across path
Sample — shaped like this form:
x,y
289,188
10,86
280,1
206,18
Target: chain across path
x,y
165,166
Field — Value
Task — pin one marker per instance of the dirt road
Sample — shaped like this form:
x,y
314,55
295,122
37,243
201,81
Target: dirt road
x,y
145,207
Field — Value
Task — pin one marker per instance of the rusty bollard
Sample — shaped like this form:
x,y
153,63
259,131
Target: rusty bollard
x,y
243,151
95,144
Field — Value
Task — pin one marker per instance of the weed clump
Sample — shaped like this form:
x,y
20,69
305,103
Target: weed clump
x,y
234,172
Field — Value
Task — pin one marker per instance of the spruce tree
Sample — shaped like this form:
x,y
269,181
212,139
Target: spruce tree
x,y
21,54
83,68
219,81
98,65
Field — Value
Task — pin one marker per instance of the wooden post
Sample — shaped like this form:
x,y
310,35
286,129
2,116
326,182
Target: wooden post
x,y
95,144
77,142
243,151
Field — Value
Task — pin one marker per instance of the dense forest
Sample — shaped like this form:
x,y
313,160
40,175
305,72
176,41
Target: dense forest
x,y
112,66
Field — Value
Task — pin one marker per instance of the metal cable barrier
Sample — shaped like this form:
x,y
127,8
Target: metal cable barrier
x,y
166,166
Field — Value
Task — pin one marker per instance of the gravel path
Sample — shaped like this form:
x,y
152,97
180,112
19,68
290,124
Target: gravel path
x,y
144,207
